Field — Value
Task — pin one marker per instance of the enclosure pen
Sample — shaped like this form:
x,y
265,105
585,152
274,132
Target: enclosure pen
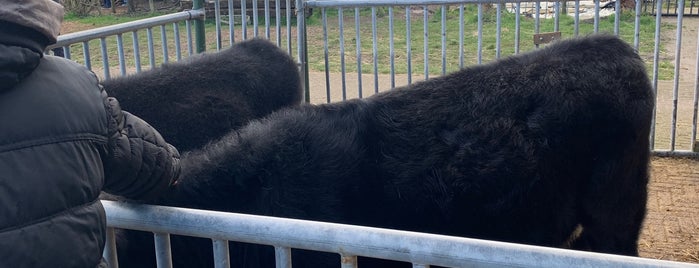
x,y
408,41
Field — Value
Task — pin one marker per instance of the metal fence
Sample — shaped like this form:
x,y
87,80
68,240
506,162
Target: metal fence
x,y
353,48
382,44
347,240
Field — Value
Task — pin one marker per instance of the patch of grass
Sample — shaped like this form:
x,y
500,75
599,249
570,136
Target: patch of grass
x,y
107,18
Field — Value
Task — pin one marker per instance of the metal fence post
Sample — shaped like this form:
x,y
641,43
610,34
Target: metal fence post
x,y
199,34
302,51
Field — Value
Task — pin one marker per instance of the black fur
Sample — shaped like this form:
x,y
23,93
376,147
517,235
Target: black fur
x,y
521,150
200,99
203,97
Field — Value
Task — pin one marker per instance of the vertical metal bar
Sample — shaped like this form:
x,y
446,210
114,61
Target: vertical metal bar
x,y
391,48
480,33
676,84
278,21
217,19
444,39
374,48
163,254
537,20
325,46
190,47
151,49
518,8
656,58
282,257
498,29
417,265
302,48
557,14
267,33
105,57
244,18
199,32
408,44
231,23
178,47
163,40
358,50
693,141
86,55
288,26
221,254
120,52
340,18
637,26
137,51
426,39
255,19
617,16
347,261
461,36
596,16
66,52
537,17
577,17
110,252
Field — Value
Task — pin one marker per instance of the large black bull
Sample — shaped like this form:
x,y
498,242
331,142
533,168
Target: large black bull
x,y
525,149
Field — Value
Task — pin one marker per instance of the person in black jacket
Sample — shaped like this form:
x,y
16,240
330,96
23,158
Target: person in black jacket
x,y
63,140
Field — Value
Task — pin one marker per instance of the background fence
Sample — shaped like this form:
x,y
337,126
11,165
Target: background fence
x,y
354,48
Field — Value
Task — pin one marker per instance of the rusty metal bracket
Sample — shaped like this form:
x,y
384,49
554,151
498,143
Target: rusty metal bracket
x,y
545,38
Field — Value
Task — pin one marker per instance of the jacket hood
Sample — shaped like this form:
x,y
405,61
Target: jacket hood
x,y
44,16
16,63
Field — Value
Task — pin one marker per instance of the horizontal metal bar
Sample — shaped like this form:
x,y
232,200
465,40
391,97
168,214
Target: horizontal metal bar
x,y
357,240
87,35
371,3
676,153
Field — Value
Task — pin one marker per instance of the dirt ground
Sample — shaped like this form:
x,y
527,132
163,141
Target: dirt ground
x,y
671,229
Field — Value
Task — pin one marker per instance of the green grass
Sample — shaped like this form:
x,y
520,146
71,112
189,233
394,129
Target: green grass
x,y
316,47
107,18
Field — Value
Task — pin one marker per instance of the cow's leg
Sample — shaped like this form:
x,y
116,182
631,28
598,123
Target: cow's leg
x,y
613,204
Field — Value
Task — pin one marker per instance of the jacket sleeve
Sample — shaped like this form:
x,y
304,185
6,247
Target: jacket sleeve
x,y
140,164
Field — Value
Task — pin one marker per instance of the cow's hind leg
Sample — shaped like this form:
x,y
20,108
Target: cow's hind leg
x,y
613,203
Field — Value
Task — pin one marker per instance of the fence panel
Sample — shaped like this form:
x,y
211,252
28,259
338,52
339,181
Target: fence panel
x,y
351,241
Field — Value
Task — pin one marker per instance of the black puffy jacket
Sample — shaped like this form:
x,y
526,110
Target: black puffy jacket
x,y
62,141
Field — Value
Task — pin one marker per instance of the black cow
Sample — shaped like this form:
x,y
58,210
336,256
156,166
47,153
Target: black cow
x,y
200,99
526,149
203,97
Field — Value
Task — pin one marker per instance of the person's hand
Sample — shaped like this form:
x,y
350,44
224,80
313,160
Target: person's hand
x,y
140,163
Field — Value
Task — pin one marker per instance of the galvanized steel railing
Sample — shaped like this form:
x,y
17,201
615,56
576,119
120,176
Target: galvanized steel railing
x,y
84,37
347,240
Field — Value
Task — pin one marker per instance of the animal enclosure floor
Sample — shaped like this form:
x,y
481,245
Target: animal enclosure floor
x,y
671,229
